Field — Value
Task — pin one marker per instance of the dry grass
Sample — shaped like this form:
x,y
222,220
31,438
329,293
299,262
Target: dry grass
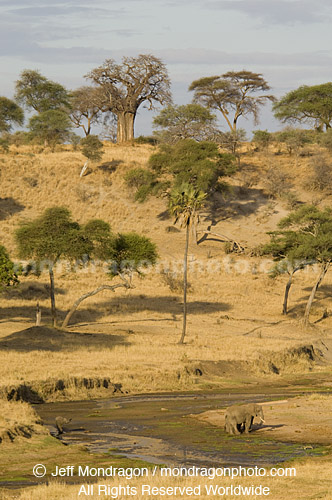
x,y
234,307
134,334
18,419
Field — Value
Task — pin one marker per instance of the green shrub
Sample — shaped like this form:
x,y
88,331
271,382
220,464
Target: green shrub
x,y
92,147
262,138
146,139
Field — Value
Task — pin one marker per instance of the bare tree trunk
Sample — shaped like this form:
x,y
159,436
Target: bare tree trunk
x,y
325,267
194,228
185,286
53,309
288,285
125,127
90,294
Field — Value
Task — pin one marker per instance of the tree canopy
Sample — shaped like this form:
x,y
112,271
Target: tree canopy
x,y
50,127
35,91
132,253
233,93
199,164
92,147
305,237
190,121
128,85
10,114
87,106
307,104
50,237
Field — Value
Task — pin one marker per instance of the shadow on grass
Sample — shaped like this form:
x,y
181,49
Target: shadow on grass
x,y
42,338
168,305
9,207
323,293
110,166
22,313
30,290
239,203
164,304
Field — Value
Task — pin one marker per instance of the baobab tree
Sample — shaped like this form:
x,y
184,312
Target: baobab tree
x,y
128,85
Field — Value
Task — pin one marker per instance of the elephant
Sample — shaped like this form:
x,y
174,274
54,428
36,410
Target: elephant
x,y
60,422
239,418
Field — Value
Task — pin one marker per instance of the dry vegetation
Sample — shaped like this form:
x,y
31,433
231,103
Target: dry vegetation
x,y
131,336
234,310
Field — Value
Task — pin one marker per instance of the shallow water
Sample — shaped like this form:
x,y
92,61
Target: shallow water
x,y
158,428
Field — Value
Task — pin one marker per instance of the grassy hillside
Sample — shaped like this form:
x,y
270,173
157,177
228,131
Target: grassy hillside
x,y
234,306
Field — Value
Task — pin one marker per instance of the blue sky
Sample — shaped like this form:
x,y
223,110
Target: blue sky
x,y
288,41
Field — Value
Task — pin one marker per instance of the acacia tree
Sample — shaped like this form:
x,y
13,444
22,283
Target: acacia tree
x,y
128,85
10,114
50,100
287,249
197,163
306,237
307,104
126,254
190,121
35,91
184,204
233,93
50,127
87,107
49,238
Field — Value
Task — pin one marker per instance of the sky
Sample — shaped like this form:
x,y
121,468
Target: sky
x,y
288,41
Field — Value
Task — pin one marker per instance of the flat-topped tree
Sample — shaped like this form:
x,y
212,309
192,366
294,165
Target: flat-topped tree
x,y
128,85
234,94
49,238
305,238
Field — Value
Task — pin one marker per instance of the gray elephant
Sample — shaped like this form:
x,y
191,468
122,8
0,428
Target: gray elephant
x,y
239,418
60,422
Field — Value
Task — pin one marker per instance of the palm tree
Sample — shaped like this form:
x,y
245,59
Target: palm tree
x,y
184,203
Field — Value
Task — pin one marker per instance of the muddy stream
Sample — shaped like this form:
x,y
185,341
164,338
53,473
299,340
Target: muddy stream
x,y
160,429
